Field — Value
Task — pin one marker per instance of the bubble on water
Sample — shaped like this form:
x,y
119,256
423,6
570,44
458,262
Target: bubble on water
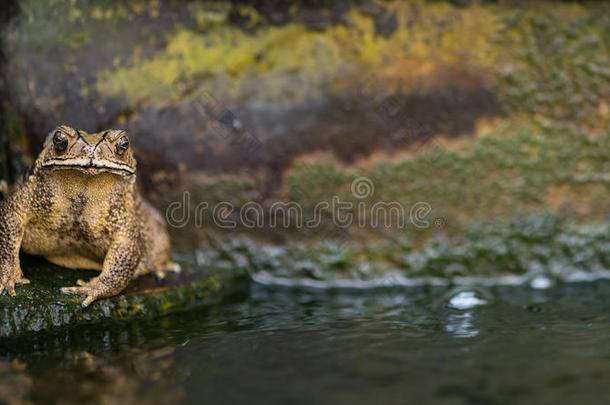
x,y
466,300
541,283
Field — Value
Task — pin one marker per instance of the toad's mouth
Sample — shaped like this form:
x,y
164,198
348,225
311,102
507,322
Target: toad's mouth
x,y
91,167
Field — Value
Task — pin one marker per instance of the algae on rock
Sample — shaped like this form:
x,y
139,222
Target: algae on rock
x,y
40,305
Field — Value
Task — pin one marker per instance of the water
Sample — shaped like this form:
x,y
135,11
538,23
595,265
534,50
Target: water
x,y
267,345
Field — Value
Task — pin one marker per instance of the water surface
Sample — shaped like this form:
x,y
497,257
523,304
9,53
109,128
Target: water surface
x,y
275,345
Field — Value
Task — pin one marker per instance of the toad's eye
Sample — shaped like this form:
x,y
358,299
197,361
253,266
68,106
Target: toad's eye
x,y
122,145
60,141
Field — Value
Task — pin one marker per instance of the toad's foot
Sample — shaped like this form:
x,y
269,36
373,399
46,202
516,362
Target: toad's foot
x,y
8,280
169,266
93,290
10,275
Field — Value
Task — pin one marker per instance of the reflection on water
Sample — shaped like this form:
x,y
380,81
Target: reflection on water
x,y
461,325
268,346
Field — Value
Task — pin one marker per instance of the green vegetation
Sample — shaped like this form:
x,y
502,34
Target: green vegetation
x,y
554,63
541,245
516,169
40,306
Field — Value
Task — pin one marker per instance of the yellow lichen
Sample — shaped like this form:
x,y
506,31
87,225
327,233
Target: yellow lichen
x,y
436,39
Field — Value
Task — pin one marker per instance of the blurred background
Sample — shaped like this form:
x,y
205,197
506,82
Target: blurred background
x,y
484,111
481,111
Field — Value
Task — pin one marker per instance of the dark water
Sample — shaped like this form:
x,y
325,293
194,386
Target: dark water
x,y
277,346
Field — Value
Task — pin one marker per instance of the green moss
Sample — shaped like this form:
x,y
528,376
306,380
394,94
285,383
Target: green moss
x,y
553,62
516,169
541,245
40,306
313,181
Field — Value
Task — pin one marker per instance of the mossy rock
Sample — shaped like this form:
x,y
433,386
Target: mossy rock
x,y
40,305
228,86
516,252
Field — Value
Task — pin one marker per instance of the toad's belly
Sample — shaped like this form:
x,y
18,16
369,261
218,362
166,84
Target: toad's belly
x,y
75,246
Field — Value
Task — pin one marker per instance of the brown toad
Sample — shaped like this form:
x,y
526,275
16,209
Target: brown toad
x,y
80,208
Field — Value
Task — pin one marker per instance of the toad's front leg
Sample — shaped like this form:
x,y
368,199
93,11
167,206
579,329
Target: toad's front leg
x,y
119,267
12,226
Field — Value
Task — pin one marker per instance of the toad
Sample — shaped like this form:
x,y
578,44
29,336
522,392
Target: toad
x,y
79,207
